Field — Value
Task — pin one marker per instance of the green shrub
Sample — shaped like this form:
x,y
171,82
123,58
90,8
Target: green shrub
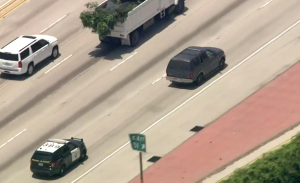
x,y
102,21
279,166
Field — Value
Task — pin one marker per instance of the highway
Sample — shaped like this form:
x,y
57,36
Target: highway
x,y
102,93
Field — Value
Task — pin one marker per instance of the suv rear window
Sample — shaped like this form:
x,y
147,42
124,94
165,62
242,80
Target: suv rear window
x,y
179,64
43,156
9,56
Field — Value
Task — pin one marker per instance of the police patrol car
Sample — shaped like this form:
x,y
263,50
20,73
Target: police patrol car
x,y
56,155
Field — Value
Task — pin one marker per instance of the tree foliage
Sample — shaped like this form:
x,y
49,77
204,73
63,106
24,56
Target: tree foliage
x,y
278,166
102,21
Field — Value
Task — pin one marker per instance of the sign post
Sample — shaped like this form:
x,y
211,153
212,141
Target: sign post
x,y
141,167
138,143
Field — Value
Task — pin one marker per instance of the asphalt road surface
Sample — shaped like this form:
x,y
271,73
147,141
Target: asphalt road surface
x,y
102,93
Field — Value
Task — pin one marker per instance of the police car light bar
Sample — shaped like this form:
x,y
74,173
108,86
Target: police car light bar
x,y
79,139
59,141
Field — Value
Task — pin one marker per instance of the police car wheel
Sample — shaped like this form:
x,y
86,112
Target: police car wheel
x,y
83,155
62,170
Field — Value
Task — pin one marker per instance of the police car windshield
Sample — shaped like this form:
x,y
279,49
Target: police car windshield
x,y
43,156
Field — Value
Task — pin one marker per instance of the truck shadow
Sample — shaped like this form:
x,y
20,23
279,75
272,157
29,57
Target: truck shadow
x,y
37,69
193,86
113,52
56,177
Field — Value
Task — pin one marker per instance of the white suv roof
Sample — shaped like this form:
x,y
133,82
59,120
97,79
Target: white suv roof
x,y
18,44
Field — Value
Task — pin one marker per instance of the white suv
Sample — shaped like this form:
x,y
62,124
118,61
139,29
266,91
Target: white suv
x,y
21,55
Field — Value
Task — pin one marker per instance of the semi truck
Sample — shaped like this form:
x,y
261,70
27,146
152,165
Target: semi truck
x,y
141,18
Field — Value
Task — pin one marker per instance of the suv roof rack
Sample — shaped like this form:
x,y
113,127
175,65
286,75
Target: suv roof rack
x,y
30,37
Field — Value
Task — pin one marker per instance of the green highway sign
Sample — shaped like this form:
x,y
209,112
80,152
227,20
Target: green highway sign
x,y
138,142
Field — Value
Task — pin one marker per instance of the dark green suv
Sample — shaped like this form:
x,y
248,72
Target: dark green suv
x,y
193,64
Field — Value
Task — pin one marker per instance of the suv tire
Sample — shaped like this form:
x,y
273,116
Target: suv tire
x,y
30,69
62,170
222,64
83,155
199,79
55,52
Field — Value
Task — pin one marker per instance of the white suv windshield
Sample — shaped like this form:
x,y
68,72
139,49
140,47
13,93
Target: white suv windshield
x,y
9,56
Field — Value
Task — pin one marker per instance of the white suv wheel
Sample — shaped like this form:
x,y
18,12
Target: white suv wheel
x,y
30,69
54,53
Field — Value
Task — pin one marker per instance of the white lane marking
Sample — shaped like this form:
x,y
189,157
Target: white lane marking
x,y
191,98
58,64
158,79
12,138
5,4
54,23
266,4
123,61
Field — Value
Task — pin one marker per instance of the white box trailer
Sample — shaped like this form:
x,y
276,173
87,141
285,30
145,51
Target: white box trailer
x,y
140,18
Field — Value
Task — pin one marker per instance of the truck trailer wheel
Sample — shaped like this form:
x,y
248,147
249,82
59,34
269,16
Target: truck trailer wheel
x,y
179,9
134,38
111,41
105,40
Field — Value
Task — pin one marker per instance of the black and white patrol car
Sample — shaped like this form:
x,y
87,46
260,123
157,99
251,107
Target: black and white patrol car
x,y
56,155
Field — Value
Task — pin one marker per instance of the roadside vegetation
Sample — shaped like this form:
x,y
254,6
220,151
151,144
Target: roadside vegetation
x,y
102,20
279,166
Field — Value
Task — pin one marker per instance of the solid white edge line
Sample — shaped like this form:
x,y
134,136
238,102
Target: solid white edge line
x,y
191,98
123,61
54,23
12,138
155,81
158,79
58,64
5,3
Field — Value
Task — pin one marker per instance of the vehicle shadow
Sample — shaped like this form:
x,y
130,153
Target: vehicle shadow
x,y
103,49
37,69
55,177
193,86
